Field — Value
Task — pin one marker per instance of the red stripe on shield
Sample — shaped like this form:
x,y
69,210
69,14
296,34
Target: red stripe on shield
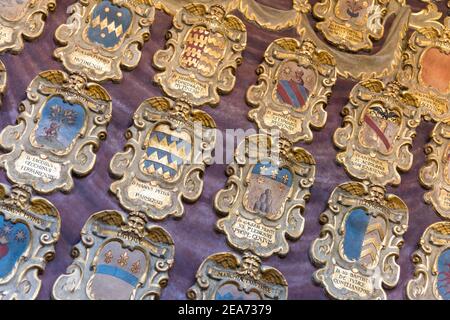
x,y
378,131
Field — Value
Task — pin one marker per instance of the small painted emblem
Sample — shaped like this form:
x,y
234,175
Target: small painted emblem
x,y
431,279
351,25
29,230
22,19
264,199
294,82
101,36
161,164
202,53
435,173
359,242
377,132
425,71
118,258
230,277
63,120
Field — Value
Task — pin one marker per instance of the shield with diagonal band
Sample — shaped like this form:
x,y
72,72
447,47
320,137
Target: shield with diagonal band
x,y
203,50
380,128
109,24
117,273
364,236
166,151
294,84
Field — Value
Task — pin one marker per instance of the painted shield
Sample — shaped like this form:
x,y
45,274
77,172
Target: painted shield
x,y
109,24
117,273
355,11
380,127
59,125
364,236
166,151
203,51
14,240
434,70
268,189
443,278
294,84
13,9
230,291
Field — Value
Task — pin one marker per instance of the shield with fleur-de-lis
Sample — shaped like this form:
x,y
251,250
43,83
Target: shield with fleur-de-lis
x,y
117,272
109,24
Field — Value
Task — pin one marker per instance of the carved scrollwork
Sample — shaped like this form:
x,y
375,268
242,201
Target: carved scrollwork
x,y
58,131
22,19
359,242
126,254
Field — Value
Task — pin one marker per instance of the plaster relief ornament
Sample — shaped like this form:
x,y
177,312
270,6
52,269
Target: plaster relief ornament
x,y
58,131
265,195
359,242
226,276
352,24
435,174
377,133
426,73
294,83
29,229
101,36
201,55
3,77
22,19
432,265
164,158
118,258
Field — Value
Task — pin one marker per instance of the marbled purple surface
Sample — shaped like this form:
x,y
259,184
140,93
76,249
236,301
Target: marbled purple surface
x,y
194,235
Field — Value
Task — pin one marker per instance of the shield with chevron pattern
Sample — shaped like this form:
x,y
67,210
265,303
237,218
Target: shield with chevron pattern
x,y
109,24
364,236
166,151
203,50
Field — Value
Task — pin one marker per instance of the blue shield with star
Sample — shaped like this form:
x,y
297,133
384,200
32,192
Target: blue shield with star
x,y
109,24
14,240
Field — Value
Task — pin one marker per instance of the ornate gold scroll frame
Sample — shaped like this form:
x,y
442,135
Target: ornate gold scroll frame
x,y
188,183
17,205
247,274
3,79
369,163
24,153
78,54
262,95
29,25
348,65
434,241
346,35
231,201
327,250
189,83
435,105
132,234
434,174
